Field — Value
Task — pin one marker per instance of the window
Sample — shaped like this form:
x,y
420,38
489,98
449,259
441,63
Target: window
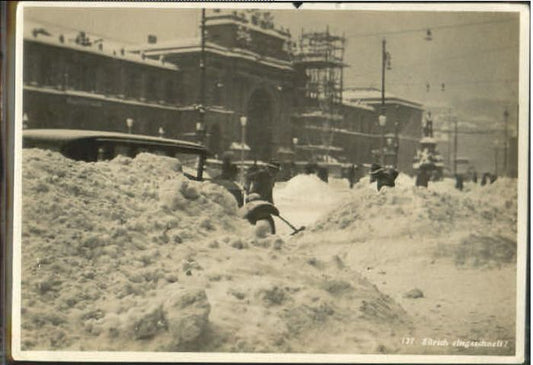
x,y
151,90
169,91
110,80
217,93
46,71
32,67
88,76
133,85
74,72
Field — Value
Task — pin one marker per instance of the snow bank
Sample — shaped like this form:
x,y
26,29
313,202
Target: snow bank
x,y
458,249
309,187
457,218
128,255
100,242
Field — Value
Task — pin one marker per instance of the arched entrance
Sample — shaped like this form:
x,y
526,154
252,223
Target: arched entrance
x,y
259,128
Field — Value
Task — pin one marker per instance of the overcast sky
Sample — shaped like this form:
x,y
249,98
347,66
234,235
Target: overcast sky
x,y
475,54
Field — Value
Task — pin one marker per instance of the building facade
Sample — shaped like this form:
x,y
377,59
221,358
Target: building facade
x,y
403,128
79,83
248,72
251,70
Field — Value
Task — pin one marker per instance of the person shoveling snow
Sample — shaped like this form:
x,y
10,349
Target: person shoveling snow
x,y
261,211
383,176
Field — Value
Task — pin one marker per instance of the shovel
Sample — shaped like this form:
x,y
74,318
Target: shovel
x,y
295,230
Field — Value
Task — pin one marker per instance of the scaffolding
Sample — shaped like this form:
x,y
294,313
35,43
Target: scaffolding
x,y
321,57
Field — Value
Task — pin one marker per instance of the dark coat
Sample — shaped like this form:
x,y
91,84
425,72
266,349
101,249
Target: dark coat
x,y
422,178
387,178
262,182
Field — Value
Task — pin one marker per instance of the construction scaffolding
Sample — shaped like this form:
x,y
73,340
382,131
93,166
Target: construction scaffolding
x,y
320,56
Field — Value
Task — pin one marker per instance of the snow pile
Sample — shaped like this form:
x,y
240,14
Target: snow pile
x,y
129,255
457,218
458,248
95,236
306,198
309,187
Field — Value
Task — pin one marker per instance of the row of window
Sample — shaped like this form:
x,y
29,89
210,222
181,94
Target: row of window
x,y
69,70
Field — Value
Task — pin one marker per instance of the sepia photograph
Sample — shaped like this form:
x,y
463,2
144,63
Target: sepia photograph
x,y
276,182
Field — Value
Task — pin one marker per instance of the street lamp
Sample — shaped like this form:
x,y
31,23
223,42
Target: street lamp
x,y
505,142
200,125
396,144
496,144
382,120
200,129
129,124
243,121
25,121
294,144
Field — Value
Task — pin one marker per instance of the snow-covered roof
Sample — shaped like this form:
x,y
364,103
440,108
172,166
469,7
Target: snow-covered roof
x,y
75,134
193,45
318,147
319,114
224,19
373,96
209,108
102,97
66,38
165,45
357,104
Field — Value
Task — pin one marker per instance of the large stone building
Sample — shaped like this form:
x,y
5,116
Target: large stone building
x,y
403,128
252,70
72,81
248,72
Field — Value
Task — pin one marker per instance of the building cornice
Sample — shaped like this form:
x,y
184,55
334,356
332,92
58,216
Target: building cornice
x,y
99,97
225,19
113,54
222,51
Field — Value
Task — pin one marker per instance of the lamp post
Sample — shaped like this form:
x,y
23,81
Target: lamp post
x,y
383,63
396,143
243,121
455,137
129,124
25,121
200,132
496,143
294,144
382,119
505,142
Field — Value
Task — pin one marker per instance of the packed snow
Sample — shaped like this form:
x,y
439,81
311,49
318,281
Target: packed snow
x,y
129,255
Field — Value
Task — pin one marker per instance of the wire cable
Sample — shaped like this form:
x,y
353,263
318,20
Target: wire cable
x,y
461,25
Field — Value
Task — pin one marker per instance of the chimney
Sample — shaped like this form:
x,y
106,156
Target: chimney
x,y
152,39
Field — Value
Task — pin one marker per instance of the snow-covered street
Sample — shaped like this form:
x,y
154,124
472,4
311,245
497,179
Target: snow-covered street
x,y
128,255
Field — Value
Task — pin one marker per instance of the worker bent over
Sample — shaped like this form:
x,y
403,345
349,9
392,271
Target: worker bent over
x,y
383,176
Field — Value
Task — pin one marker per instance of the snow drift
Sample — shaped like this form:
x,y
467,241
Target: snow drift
x,y
128,255
479,221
